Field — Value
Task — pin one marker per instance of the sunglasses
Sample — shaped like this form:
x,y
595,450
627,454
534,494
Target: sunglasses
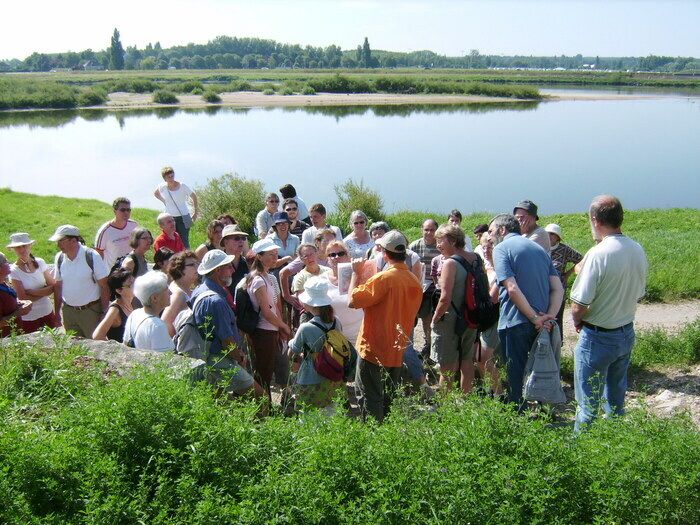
x,y
124,209
290,209
341,253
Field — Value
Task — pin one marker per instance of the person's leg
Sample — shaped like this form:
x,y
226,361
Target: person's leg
x,y
369,381
183,231
466,366
265,346
413,364
281,366
517,342
616,381
590,368
89,318
70,320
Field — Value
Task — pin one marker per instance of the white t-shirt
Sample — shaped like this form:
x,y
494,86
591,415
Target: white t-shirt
x,y
114,241
303,211
79,288
350,318
148,332
32,281
308,236
611,281
273,292
175,201
358,250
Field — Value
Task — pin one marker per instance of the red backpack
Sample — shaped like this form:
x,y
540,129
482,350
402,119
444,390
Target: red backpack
x,y
478,310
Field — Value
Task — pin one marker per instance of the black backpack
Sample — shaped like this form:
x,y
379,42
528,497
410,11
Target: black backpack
x,y
478,310
120,260
247,316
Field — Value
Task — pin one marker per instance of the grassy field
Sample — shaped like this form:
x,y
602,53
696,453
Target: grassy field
x,y
670,237
78,445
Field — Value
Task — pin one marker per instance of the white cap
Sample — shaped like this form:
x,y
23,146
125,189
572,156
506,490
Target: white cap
x,y
212,260
553,228
264,245
19,239
316,292
67,230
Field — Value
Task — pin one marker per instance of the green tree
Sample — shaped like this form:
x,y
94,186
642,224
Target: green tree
x,y
116,52
366,54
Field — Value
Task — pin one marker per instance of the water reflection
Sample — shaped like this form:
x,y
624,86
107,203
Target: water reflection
x,y
58,118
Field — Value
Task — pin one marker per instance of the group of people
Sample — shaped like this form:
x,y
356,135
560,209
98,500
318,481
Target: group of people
x,y
303,279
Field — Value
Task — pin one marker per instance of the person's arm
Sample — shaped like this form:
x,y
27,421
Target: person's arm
x,y
36,293
201,251
283,261
104,293
177,304
110,320
234,351
578,312
284,286
58,300
556,295
267,311
22,309
158,195
522,304
446,282
129,264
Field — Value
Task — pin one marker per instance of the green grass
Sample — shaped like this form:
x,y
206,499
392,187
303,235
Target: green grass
x,y
656,347
77,446
670,237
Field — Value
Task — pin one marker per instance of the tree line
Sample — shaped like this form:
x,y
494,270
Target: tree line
x,y
226,52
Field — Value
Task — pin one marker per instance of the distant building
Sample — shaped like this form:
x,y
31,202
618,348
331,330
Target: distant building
x,y
92,65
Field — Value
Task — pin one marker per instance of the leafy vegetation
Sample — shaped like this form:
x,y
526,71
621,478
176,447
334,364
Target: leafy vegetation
x,y
79,446
669,237
163,96
211,96
656,347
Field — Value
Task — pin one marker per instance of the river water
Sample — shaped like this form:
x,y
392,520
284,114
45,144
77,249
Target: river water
x,y
471,157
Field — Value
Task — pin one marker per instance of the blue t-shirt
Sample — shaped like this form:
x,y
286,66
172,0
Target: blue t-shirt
x,y
215,317
531,266
310,339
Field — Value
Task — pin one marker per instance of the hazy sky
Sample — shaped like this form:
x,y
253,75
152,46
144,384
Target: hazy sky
x,y
554,27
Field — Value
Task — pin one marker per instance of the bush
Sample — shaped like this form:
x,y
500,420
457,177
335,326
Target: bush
x,y
286,91
243,198
308,90
268,91
211,96
351,196
656,347
340,84
92,97
188,86
18,93
163,96
130,85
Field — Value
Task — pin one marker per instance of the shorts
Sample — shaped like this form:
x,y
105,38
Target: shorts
x,y
445,344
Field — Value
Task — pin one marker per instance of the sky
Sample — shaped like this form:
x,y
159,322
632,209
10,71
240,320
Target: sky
x,y
451,27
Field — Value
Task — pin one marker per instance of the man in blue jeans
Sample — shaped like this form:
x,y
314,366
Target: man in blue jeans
x,y
604,300
530,294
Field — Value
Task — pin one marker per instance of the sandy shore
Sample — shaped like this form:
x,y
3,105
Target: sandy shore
x,y
249,99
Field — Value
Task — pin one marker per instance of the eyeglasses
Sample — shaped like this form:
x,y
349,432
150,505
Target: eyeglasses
x,y
341,253
273,200
310,254
358,222
290,209
124,209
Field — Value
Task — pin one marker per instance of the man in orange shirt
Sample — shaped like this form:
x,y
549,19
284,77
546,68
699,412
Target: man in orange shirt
x,y
390,300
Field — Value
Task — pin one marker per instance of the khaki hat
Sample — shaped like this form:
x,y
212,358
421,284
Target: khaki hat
x,y
394,241
19,239
553,228
67,230
212,260
231,229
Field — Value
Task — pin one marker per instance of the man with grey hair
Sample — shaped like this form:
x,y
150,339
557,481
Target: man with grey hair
x,y
526,214
214,316
603,304
530,295
169,238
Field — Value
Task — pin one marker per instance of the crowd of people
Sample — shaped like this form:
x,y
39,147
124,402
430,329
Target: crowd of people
x,y
305,283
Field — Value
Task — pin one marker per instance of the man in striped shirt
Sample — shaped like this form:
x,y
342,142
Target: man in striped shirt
x,y
112,239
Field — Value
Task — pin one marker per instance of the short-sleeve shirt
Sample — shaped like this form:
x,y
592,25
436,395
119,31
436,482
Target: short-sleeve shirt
x,y
563,254
304,275
272,291
290,249
32,281
541,237
214,317
358,250
426,252
175,201
390,299
611,281
263,222
310,339
148,332
175,244
79,288
113,241
299,228
530,266
310,234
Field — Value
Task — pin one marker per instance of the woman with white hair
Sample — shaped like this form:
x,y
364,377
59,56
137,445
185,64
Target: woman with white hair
x,y
359,241
144,328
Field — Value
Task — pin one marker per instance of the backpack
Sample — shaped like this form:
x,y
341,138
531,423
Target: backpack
x,y
120,260
188,337
88,259
333,361
247,316
477,311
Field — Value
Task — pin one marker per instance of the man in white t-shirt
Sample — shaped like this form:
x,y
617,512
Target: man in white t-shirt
x,y
289,192
603,304
112,239
317,214
81,282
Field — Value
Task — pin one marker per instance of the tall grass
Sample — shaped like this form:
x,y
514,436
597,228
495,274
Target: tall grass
x,y
153,449
656,347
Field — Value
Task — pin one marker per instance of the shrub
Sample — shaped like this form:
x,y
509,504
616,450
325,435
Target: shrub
x,y
188,86
22,93
197,91
92,97
130,85
211,96
656,347
308,90
268,91
163,96
352,195
239,85
243,198
286,91
340,84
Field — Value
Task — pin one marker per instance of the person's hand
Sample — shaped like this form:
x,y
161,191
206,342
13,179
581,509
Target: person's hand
x,y
357,265
293,300
285,332
543,321
526,221
24,308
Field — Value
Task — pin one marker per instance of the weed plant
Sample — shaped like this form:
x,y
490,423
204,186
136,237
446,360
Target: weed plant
x,y
163,96
153,449
211,96
656,347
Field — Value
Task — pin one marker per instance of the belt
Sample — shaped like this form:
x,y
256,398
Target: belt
x,y
85,306
601,329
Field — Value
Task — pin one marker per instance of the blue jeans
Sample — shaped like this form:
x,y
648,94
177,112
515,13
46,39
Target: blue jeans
x,y
516,342
601,360
413,363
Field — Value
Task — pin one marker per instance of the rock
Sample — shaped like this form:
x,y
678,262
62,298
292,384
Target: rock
x,y
120,358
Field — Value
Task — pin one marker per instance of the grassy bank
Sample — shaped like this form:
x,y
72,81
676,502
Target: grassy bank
x,y
670,237
81,446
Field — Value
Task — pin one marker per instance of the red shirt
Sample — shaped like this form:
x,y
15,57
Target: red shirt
x,y
8,304
176,244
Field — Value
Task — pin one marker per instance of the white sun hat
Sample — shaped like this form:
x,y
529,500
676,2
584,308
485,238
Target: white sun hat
x,y
316,292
